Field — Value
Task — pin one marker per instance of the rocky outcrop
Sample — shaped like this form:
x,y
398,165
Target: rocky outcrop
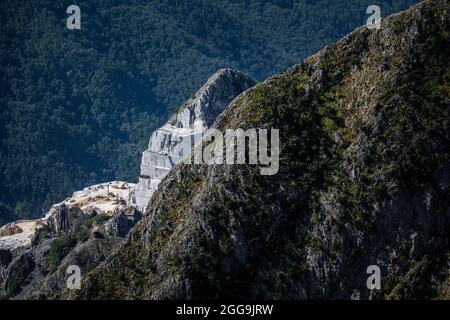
x,y
86,256
65,220
19,233
172,142
39,271
106,199
363,180
6,257
19,274
122,222
10,230
34,262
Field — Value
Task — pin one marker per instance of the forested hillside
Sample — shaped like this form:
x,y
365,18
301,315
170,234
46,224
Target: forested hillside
x,y
6,214
78,106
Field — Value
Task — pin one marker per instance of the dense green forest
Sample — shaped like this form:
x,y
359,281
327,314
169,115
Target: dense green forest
x,y
6,214
78,106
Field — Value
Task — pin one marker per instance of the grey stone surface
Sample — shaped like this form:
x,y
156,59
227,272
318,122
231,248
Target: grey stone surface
x,y
170,144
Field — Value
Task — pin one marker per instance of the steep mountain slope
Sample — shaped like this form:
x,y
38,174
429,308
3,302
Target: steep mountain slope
x,y
78,106
364,180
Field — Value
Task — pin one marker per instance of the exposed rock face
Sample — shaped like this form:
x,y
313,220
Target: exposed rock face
x,y
121,223
10,230
70,237
170,144
64,220
27,276
82,230
363,180
108,199
5,257
21,268
19,233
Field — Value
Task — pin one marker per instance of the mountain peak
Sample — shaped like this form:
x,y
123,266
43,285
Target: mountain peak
x,y
193,118
212,98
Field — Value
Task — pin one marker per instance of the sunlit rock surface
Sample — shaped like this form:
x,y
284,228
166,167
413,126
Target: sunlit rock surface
x,y
104,198
170,144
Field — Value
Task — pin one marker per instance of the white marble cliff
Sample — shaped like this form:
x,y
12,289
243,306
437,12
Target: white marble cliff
x,y
167,145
